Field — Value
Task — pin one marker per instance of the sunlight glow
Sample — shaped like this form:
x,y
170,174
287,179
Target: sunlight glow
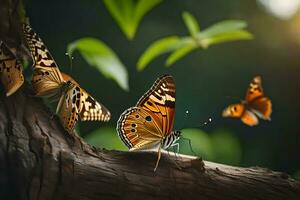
x,y
283,9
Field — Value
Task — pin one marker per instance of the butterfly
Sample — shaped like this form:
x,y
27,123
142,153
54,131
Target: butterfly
x,y
149,124
256,105
47,81
11,72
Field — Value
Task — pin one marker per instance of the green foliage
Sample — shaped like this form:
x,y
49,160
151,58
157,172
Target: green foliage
x,y
200,143
129,13
100,56
227,147
225,31
158,47
221,146
191,23
105,138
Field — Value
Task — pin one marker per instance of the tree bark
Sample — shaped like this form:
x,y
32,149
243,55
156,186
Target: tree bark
x,y
40,160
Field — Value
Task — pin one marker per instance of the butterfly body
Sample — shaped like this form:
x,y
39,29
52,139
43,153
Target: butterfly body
x,y
149,124
74,102
256,105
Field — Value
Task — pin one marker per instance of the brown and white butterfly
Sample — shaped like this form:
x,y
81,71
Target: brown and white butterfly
x,y
11,72
255,105
149,124
48,81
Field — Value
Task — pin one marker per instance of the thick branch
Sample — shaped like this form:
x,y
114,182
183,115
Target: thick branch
x,y
39,160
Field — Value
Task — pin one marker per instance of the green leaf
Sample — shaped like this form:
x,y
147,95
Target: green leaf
x,y
227,147
105,138
225,37
179,53
191,23
128,13
223,27
99,55
142,7
157,48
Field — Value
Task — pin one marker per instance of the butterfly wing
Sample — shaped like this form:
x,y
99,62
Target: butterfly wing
x,y
234,110
240,111
262,107
91,110
70,106
11,71
47,77
160,101
138,130
257,101
152,119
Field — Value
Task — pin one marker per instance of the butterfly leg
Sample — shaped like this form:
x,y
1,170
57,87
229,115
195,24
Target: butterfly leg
x,y
176,145
158,157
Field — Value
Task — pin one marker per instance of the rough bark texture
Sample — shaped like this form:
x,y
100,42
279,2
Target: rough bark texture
x,y
39,160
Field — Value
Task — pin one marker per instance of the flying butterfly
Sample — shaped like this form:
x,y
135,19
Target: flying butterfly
x,y
11,72
256,105
149,124
47,81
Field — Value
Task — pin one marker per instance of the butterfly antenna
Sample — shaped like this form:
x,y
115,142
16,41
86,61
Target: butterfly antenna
x,y
186,115
71,58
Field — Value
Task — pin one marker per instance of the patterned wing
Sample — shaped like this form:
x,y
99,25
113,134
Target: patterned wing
x,y
139,128
70,106
147,124
234,110
255,89
257,101
160,100
77,103
11,71
91,110
249,118
240,111
46,78
262,107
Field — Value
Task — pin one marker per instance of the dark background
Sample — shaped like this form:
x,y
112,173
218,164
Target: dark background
x,y
204,79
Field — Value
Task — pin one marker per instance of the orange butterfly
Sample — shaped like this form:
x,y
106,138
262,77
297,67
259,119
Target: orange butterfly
x,y
11,72
149,125
255,105
48,81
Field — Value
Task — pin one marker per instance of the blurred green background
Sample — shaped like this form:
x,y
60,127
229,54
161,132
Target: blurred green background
x,y
204,78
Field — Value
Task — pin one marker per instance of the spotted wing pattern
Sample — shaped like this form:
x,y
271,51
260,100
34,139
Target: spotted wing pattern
x,y
11,72
74,102
151,120
47,78
91,110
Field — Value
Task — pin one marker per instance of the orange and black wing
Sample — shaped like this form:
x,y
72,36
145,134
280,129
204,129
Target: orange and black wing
x,y
240,111
257,101
152,119
11,72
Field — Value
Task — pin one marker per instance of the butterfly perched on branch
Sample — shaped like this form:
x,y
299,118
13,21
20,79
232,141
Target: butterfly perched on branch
x,y
11,72
256,105
149,124
47,81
